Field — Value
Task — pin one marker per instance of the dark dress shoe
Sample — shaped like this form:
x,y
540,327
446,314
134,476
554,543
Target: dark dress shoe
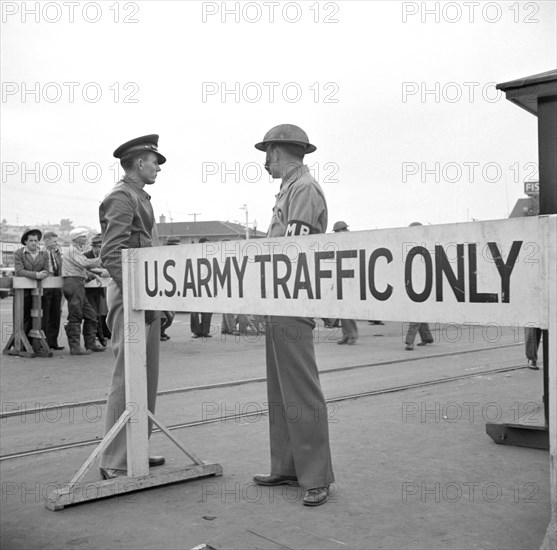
x,y
316,497
349,341
56,348
274,479
156,460
111,473
424,343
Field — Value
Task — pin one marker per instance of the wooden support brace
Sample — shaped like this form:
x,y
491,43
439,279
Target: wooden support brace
x,y
74,494
18,344
139,477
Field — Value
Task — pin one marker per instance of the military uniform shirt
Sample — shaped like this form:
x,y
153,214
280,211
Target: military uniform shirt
x,y
300,208
127,221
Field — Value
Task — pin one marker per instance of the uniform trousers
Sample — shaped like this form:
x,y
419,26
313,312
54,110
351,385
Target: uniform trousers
x,y
115,455
298,428
413,328
349,328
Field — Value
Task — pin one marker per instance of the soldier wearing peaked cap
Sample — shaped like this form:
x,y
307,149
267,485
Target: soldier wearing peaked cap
x,y
300,452
127,221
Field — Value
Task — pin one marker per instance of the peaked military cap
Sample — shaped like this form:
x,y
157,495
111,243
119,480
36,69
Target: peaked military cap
x,y
143,144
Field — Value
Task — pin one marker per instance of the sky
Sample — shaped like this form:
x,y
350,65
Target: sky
x,y
398,97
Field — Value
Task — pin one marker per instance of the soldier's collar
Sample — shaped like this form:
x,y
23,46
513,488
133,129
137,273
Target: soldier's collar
x,y
138,189
294,174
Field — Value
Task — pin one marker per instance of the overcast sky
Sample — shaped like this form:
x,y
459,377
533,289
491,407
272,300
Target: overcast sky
x,y
398,97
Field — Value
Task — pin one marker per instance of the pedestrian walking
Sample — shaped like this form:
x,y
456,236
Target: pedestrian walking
x,y
349,326
532,337
414,328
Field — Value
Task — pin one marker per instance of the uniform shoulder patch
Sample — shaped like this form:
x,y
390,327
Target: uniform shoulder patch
x,y
297,227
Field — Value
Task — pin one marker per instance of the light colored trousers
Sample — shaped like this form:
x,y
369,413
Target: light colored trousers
x,y
413,328
299,431
115,455
349,328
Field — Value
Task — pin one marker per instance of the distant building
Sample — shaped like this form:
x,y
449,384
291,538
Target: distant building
x,y
191,232
7,251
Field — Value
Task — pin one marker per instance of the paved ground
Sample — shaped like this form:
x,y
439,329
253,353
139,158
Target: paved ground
x,y
414,468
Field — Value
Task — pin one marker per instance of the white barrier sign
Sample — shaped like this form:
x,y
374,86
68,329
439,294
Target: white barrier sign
x,y
484,272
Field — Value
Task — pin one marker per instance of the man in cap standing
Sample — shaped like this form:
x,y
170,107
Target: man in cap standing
x,y
75,274
300,452
127,221
349,326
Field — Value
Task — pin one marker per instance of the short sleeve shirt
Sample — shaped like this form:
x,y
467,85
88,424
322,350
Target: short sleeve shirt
x,y
300,208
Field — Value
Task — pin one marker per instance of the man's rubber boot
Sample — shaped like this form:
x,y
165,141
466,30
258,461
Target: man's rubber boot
x,y
73,332
90,336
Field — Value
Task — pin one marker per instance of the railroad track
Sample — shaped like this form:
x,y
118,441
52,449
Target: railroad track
x,y
259,412
245,381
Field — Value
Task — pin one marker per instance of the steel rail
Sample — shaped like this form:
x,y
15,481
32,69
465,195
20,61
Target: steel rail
x,y
57,407
225,418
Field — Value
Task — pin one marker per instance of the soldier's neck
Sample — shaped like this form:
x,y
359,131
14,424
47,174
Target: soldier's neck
x,y
133,179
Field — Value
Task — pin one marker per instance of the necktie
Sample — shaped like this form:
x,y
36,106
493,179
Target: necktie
x,y
54,264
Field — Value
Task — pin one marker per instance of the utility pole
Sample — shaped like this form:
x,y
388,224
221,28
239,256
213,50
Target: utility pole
x,y
195,214
245,207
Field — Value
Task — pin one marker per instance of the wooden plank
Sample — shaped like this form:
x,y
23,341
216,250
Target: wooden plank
x,y
107,439
49,282
439,273
550,539
188,452
137,436
77,493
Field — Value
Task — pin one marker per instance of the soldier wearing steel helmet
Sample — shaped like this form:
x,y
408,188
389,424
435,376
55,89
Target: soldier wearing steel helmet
x,y
300,452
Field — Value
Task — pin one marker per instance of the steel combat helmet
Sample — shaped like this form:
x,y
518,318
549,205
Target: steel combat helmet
x,y
286,133
339,226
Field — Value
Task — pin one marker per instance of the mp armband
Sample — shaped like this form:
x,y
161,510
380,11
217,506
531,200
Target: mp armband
x,y
296,227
